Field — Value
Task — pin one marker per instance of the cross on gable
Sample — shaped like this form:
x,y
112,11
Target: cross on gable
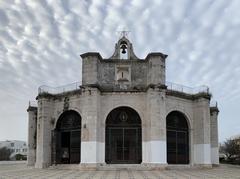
x,y
123,33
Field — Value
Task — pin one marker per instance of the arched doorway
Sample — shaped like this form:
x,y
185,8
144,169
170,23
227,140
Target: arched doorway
x,y
123,137
67,139
177,138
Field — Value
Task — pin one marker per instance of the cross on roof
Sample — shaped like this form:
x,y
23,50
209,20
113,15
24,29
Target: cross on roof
x,y
123,33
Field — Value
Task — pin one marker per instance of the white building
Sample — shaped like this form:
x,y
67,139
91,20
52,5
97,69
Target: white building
x,y
124,112
15,146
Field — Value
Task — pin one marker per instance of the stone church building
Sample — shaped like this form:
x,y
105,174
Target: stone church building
x,y
123,112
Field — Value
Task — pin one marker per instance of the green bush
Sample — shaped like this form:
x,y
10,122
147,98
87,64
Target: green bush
x,y
20,157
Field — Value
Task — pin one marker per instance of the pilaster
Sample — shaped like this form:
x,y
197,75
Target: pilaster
x,y
92,148
202,143
214,136
43,157
155,147
32,132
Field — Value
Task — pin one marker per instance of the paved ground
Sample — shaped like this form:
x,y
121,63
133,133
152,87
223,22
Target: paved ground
x,y
21,171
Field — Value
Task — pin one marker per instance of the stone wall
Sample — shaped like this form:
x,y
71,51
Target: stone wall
x,y
152,106
144,72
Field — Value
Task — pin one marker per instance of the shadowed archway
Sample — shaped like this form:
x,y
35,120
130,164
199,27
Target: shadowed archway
x,y
66,139
123,137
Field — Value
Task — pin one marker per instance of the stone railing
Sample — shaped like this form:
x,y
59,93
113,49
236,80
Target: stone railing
x,y
60,89
185,89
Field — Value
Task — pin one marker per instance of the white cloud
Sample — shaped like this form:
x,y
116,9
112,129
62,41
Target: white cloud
x,y
40,43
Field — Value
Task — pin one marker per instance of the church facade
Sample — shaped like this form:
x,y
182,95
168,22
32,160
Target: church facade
x,y
124,112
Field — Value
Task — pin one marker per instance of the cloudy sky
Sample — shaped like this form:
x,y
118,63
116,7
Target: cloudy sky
x,y
41,40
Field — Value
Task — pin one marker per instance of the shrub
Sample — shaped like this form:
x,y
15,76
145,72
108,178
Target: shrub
x,y
20,157
231,149
5,153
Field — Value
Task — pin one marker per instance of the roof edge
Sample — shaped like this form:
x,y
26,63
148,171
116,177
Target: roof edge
x,y
156,54
84,55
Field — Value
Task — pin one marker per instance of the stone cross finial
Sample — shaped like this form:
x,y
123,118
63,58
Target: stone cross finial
x,y
123,33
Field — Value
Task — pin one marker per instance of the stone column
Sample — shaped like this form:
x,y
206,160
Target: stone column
x,y
43,157
156,145
92,148
32,134
214,135
202,143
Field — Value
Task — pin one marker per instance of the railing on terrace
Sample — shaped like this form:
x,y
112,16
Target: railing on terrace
x,y
60,89
170,86
185,89
213,103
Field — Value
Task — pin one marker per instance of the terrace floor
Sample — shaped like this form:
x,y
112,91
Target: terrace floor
x,y
20,170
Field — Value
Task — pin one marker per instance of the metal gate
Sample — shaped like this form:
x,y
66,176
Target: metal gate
x,y
124,145
123,137
177,139
177,145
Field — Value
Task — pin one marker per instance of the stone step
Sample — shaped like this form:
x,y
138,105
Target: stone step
x,y
110,167
66,167
178,166
186,166
123,167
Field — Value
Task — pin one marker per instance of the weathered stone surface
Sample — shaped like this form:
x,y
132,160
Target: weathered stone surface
x,y
32,135
135,83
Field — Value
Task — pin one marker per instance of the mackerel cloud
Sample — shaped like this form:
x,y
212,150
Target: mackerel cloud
x,y
40,43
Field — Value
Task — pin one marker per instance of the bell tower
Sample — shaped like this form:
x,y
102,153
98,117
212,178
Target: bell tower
x,y
123,71
124,49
